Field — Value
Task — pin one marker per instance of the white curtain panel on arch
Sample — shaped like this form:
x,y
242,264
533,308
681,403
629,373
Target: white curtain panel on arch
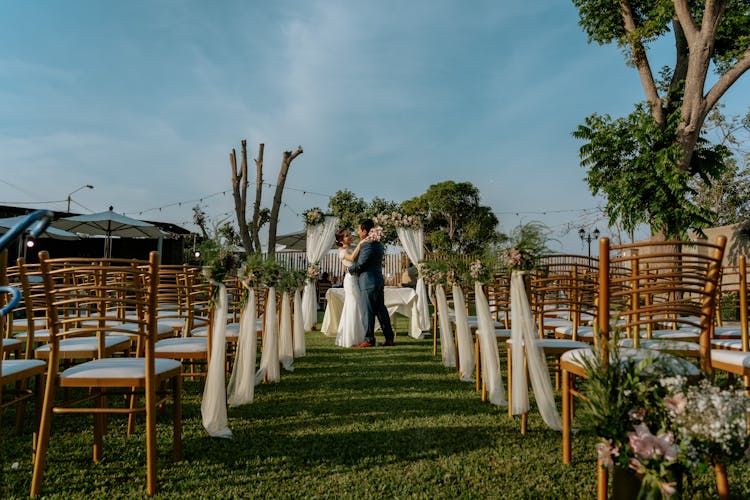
x,y
320,238
413,242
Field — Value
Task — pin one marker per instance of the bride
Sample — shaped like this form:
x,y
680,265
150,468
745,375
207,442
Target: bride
x,y
351,328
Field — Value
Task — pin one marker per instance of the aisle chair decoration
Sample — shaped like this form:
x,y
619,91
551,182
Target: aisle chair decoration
x,y
321,233
489,359
218,263
288,282
298,323
456,278
435,274
269,369
241,387
529,241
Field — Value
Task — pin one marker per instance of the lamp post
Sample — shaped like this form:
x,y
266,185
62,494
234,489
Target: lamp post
x,y
588,237
89,186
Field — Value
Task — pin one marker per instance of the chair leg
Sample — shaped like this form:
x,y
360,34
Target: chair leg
x,y
151,484
510,383
99,429
131,415
177,418
20,406
40,457
566,414
602,478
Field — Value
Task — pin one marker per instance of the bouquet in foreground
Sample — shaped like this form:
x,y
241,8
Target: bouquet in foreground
x,y
658,423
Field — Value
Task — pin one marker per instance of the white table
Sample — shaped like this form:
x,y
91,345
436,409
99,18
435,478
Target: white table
x,y
397,300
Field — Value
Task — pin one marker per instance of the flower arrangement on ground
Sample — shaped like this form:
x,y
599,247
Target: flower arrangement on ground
x,y
656,421
314,216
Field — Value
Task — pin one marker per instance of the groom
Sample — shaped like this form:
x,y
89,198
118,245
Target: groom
x,y
369,274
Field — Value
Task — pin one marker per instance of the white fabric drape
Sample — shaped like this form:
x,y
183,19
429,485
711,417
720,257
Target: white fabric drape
x,y
493,379
465,347
299,327
286,348
269,357
413,242
241,388
523,334
214,402
447,344
319,240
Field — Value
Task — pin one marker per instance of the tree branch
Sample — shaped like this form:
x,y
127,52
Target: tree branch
x,y
686,20
727,80
640,59
258,193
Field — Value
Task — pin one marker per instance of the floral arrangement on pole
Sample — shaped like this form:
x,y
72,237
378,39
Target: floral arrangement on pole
x,y
526,243
433,272
480,271
292,280
314,217
313,272
659,424
217,258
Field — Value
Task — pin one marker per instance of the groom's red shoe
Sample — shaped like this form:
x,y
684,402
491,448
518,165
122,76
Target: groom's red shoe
x,y
363,345
389,343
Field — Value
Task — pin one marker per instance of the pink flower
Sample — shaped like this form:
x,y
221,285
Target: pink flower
x,y
605,451
676,402
375,234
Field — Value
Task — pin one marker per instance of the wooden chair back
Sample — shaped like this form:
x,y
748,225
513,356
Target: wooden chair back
x,y
672,283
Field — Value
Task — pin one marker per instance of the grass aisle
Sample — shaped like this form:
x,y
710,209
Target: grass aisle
x,y
347,423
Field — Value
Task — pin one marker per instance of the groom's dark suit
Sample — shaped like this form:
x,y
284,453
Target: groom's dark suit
x,y
369,274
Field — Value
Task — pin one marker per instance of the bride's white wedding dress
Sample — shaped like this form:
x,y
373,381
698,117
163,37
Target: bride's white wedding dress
x,y
351,327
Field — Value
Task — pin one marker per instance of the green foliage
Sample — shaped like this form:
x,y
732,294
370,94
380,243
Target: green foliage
x,y
632,161
454,221
292,280
348,207
217,257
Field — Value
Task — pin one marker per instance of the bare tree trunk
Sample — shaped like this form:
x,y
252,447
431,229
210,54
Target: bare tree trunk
x,y
286,162
239,193
258,193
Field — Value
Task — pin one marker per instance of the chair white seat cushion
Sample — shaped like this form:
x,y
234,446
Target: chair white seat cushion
x,y
727,331
502,333
678,365
111,368
734,344
735,358
12,367
87,343
182,344
556,322
583,331
663,345
672,335
39,336
557,344
160,329
23,323
171,322
232,330
10,343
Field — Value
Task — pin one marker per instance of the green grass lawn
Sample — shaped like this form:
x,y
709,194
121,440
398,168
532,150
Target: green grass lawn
x,y
347,423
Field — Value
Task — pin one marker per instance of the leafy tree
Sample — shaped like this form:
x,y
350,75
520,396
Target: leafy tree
x,y
454,220
348,207
728,196
712,32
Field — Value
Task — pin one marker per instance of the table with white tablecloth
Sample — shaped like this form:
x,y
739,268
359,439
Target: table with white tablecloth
x,y
397,300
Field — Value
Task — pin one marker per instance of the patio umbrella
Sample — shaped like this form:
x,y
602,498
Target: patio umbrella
x,y
109,224
292,242
9,222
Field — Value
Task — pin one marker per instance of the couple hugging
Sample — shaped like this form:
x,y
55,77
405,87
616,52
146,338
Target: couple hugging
x,y
363,288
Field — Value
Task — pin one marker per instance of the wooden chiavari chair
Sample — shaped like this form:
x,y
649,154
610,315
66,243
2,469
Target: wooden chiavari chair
x,y
86,285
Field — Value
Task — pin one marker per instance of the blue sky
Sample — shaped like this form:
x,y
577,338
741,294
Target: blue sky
x,y
146,99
